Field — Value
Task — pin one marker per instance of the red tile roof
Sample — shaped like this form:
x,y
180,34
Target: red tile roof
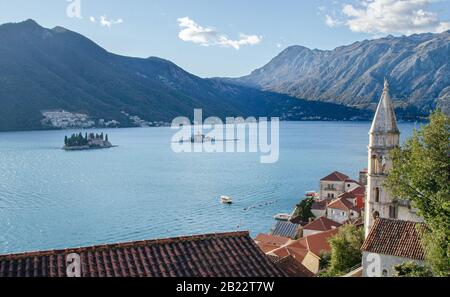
x,y
268,242
360,194
211,255
294,249
396,238
347,195
349,180
319,205
355,193
292,267
266,248
359,191
318,242
298,249
342,204
335,176
322,224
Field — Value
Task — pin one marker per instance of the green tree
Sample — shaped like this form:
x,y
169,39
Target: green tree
x,y
325,258
412,269
303,210
421,174
345,250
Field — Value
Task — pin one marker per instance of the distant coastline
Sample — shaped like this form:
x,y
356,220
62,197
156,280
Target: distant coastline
x,y
417,120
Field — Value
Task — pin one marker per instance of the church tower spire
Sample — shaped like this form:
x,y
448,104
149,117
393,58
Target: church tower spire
x,y
384,136
385,120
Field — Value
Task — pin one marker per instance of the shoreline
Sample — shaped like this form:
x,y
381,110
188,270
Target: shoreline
x,y
132,127
87,148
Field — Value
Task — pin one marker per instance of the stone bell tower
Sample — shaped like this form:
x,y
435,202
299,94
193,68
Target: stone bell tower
x,y
384,136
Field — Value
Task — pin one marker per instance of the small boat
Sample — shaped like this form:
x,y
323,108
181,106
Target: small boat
x,y
226,200
201,138
282,217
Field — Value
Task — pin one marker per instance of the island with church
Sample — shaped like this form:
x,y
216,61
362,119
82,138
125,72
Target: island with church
x,y
77,142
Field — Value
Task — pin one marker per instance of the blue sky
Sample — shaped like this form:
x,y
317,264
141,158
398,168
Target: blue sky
x,y
230,37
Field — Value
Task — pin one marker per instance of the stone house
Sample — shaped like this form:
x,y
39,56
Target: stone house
x,y
332,185
389,243
307,250
342,210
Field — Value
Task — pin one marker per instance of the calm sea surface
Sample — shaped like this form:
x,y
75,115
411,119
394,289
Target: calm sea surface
x,y
51,199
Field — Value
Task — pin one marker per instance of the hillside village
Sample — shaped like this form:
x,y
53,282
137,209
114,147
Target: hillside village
x,y
340,201
389,224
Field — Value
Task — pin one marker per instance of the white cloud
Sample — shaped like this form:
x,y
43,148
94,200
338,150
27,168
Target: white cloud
x,y
331,21
92,19
393,16
109,23
190,31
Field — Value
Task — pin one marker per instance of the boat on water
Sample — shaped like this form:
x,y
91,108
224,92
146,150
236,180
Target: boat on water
x,y
198,138
282,217
226,200
201,138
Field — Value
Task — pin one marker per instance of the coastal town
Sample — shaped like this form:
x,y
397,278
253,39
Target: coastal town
x,y
297,246
389,224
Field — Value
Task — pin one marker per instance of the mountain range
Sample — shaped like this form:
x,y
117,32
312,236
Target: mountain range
x,y
417,67
56,78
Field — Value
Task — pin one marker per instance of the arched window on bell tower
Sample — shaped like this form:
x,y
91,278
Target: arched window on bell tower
x,y
374,164
377,194
393,211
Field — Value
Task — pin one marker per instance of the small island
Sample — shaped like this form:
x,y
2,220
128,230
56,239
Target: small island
x,y
89,141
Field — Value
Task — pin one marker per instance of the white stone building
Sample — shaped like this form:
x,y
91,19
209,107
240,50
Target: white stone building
x,y
341,210
332,185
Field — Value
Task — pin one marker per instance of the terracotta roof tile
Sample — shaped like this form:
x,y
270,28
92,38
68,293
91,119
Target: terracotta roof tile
x,y
342,204
318,242
266,248
270,239
335,176
349,180
359,191
322,224
210,255
396,238
292,267
347,195
297,253
319,205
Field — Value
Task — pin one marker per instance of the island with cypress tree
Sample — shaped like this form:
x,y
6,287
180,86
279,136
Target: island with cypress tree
x,y
87,142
